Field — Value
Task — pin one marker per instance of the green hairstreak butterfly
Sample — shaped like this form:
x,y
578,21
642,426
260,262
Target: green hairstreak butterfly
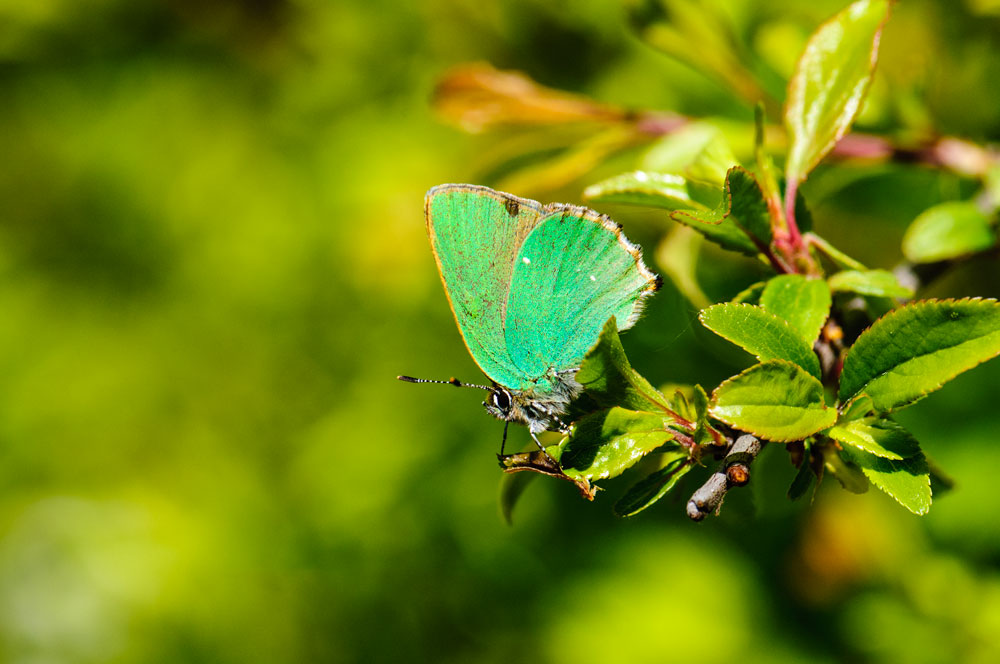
x,y
531,286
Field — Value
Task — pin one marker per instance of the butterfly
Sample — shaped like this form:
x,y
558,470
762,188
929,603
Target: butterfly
x,y
531,286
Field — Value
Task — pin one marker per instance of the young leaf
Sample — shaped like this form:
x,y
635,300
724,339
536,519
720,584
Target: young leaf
x,y
914,350
881,437
775,400
803,303
741,222
839,258
948,230
877,283
656,190
765,164
846,471
605,443
610,380
654,486
761,333
830,83
908,481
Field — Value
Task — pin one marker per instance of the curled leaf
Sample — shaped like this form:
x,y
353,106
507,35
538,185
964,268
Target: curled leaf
x,y
830,83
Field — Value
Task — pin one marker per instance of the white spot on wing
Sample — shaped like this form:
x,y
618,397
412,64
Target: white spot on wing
x,y
527,261
593,278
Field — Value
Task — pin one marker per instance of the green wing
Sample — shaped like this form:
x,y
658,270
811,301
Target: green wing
x,y
573,272
476,234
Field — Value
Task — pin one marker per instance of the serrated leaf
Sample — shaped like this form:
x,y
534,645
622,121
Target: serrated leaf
x,y
878,436
775,400
649,189
803,303
761,333
654,486
829,84
914,350
908,481
741,222
877,283
607,376
948,230
605,443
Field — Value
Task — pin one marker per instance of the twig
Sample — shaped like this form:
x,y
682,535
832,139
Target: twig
x,y
734,471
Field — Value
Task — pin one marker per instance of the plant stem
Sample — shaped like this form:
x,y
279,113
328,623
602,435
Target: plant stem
x,y
733,471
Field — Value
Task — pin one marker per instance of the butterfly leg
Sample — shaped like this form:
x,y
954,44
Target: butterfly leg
x,y
504,441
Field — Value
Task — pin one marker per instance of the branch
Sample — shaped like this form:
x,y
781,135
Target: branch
x,y
734,471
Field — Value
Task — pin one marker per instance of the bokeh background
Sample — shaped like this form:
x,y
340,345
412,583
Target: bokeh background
x,y
213,265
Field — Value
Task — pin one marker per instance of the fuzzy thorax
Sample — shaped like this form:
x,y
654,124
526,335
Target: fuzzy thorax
x,y
538,409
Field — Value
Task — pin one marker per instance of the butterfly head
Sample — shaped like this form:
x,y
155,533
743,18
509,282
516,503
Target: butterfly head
x,y
500,403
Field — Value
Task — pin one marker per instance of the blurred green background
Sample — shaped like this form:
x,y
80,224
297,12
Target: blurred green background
x,y
213,265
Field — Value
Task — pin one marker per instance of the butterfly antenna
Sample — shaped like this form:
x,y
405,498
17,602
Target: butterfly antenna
x,y
451,381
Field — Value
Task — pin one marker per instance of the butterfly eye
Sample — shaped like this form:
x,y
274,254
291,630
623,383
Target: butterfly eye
x,y
500,399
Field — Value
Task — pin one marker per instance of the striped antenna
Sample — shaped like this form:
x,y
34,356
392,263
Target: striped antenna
x,y
451,381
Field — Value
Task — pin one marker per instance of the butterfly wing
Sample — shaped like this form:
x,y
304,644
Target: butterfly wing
x,y
476,234
573,272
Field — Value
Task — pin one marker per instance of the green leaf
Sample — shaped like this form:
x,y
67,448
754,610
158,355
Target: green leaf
x,y
856,409
512,486
699,403
948,230
830,83
803,303
878,283
766,172
761,333
914,350
698,150
846,471
906,480
656,190
605,443
749,295
839,258
654,486
608,377
803,479
741,222
881,437
775,400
